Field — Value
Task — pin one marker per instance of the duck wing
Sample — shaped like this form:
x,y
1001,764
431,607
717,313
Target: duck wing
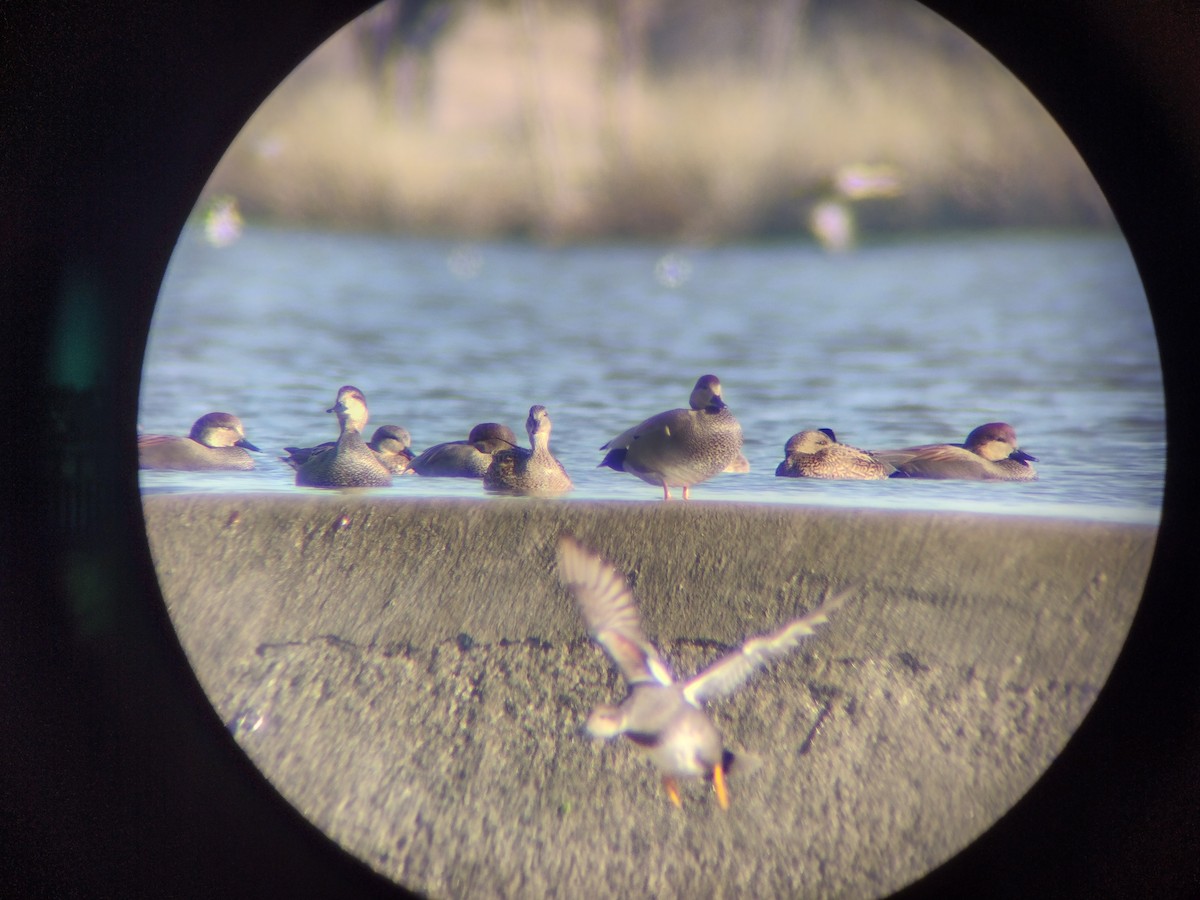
x,y
298,456
608,608
933,461
157,440
654,425
730,672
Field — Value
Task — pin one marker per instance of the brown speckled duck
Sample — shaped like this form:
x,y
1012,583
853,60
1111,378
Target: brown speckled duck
x,y
990,453
816,453
350,463
390,444
216,442
680,447
533,471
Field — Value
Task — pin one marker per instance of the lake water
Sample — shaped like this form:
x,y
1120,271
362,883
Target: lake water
x,y
898,343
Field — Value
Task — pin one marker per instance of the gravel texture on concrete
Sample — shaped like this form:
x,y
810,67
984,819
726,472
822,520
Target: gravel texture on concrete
x,y
412,677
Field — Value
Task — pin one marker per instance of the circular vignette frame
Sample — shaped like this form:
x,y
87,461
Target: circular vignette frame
x,y
123,781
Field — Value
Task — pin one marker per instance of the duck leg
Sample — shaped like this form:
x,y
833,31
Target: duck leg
x,y
719,786
672,789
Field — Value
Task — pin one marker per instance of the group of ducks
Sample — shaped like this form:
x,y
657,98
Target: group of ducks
x,y
678,448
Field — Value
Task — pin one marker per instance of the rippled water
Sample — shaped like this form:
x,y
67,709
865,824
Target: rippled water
x,y
898,343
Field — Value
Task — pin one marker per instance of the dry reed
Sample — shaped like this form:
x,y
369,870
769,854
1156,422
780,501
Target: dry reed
x,y
522,122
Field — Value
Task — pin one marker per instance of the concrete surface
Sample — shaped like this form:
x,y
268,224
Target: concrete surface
x,y
411,676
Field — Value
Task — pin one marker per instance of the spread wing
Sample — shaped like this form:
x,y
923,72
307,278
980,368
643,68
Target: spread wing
x,y
730,672
607,604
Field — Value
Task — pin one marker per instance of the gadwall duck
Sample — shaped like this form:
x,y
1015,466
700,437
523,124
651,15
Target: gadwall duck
x,y
534,471
390,443
465,459
680,447
817,454
350,462
990,453
662,716
217,441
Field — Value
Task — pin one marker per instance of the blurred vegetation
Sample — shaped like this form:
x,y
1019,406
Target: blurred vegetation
x,y
694,120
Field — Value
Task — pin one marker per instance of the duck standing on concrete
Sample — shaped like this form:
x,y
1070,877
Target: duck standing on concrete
x,y
534,471
817,454
990,453
465,459
680,447
217,442
665,717
350,462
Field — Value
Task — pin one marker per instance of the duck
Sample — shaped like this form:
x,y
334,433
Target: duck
x,y
662,716
680,447
816,453
217,442
390,443
990,453
350,462
465,459
534,471
739,466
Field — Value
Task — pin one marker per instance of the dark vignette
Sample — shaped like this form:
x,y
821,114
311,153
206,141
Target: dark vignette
x,y
116,777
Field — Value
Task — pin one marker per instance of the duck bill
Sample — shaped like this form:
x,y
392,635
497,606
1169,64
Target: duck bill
x,y
249,446
1022,456
719,786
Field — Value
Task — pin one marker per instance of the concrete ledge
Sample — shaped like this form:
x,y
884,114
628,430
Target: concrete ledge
x,y
411,676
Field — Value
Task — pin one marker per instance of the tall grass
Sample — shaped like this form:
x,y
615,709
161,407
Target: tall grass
x,y
526,119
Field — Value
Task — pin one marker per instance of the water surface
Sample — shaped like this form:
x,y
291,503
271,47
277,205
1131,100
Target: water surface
x,y
898,343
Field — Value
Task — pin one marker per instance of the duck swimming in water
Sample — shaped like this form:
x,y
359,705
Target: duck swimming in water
x,y
990,453
390,444
350,463
217,442
817,454
465,459
533,471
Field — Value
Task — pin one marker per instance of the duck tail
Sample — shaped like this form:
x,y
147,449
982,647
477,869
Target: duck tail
x,y
614,460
